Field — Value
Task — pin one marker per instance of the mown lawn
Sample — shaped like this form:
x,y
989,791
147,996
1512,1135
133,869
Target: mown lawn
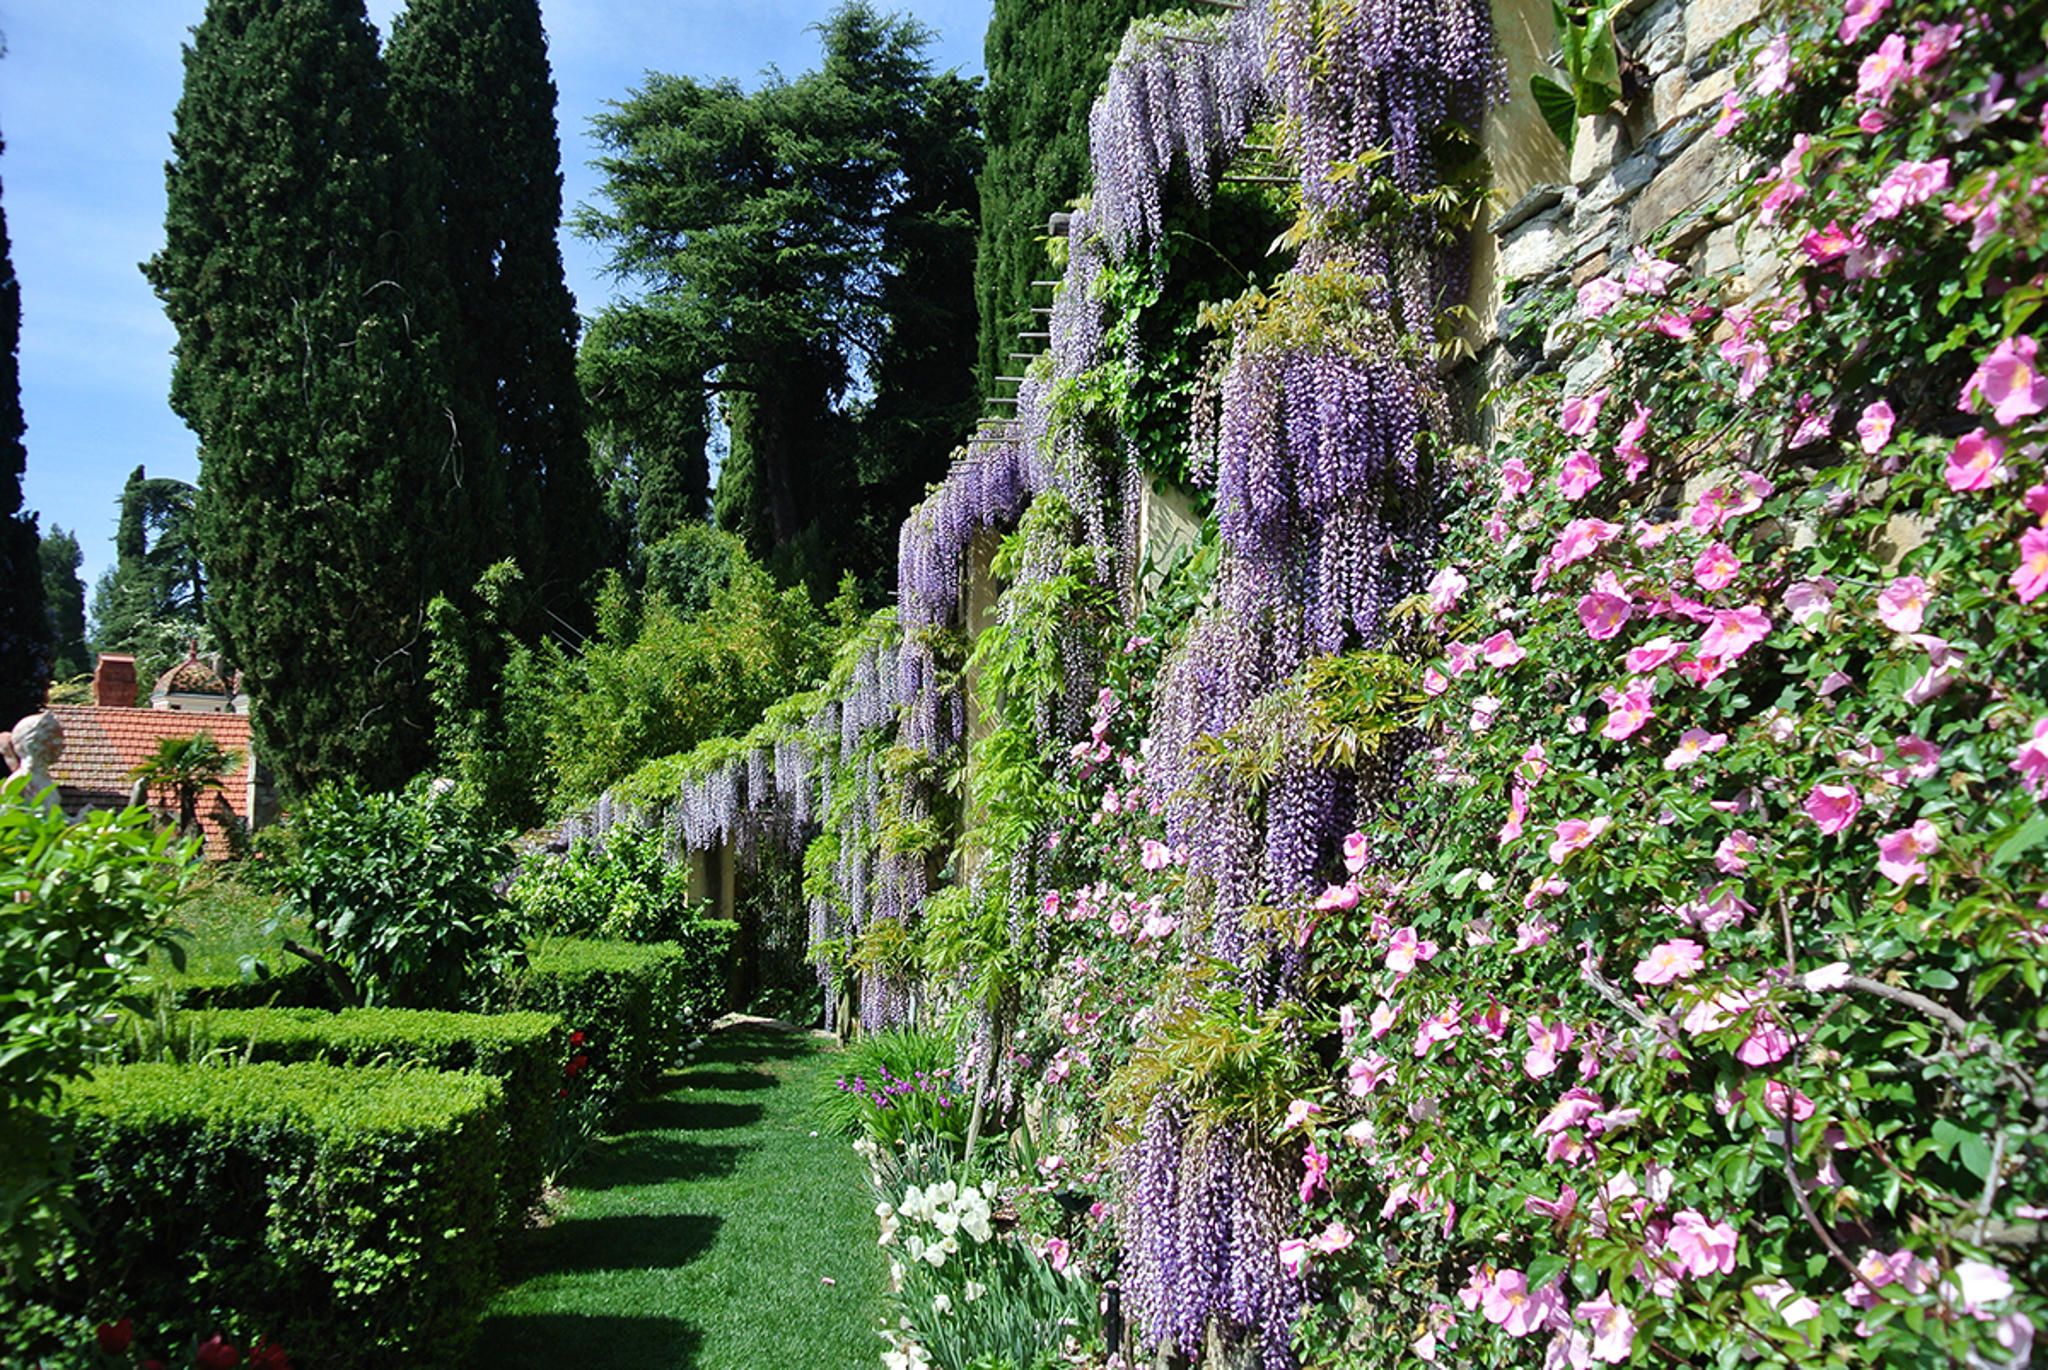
x,y
722,1229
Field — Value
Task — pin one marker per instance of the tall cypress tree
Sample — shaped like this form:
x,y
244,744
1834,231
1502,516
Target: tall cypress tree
x,y
64,592
1046,63
472,95
25,646
311,305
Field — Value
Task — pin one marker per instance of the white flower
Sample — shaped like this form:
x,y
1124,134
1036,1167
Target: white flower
x,y
947,1220
942,1303
973,1290
913,1247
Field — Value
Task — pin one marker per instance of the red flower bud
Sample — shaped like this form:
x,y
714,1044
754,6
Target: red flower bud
x,y
268,1356
576,1039
154,1364
116,1337
216,1354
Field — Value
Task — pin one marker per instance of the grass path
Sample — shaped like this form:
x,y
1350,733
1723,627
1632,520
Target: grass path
x,y
702,1236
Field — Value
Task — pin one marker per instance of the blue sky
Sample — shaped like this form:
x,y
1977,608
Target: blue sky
x,y
86,94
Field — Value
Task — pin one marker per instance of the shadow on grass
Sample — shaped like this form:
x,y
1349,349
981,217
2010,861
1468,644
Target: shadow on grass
x,y
688,1115
649,1158
622,1241
554,1341
726,1081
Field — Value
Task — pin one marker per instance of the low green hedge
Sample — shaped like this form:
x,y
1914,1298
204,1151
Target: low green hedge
x,y
635,1003
345,1213
524,1052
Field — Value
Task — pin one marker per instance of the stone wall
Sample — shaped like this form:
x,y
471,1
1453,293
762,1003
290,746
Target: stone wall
x,y
1652,176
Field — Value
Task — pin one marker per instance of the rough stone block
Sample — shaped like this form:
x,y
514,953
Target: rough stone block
x,y
1707,22
1694,178
1617,185
1599,142
1595,233
1535,249
1719,257
1585,373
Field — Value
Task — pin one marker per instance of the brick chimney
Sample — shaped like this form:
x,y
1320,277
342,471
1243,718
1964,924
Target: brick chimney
x,y
113,683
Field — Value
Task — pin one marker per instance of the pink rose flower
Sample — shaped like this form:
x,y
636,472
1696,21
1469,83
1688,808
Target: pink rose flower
x,y
1808,601
1438,1028
1881,72
2009,382
1699,1247
1582,412
1833,807
1731,857
1875,427
1936,41
1613,1329
1579,474
1976,463
1355,852
1901,855
1405,949
2030,579
1603,612
1693,744
1907,184
1650,275
1367,1075
1652,654
1515,478
1903,604
1547,1041
1599,295
1627,710
1774,66
1716,567
1860,15
2031,761
1576,834
1502,650
1733,632
1673,960
1509,1304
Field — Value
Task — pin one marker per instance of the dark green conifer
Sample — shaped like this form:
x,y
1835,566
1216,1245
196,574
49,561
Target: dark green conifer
x,y
472,95
311,305
1046,63
25,646
64,593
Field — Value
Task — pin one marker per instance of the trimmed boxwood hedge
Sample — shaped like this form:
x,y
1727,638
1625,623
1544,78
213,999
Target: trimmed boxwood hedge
x,y
634,1002
524,1052
344,1213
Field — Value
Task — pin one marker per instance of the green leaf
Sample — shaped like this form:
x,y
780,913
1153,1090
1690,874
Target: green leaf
x,y
2020,841
1559,108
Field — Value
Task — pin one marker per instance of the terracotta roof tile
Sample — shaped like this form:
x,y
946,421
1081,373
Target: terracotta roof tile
x,y
101,746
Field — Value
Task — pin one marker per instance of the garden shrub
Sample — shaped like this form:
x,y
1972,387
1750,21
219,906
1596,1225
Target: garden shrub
x,y
636,1003
399,891
343,1213
897,1087
524,1052
83,906
300,986
625,888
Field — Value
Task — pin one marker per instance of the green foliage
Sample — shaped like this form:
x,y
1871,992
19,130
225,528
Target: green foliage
x,y
398,889
157,578
470,91
971,1296
1592,67
896,1088
635,1003
789,240
627,890
523,1052
1046,64
186,766
64,594
82,908
344,1213
492,699
25,635
654,683
316,336
689,566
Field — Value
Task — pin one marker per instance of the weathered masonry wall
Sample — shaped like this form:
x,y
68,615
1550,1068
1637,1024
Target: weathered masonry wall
x,y
1654,176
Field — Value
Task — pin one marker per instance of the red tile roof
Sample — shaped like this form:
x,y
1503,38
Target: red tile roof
x,y
101,746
